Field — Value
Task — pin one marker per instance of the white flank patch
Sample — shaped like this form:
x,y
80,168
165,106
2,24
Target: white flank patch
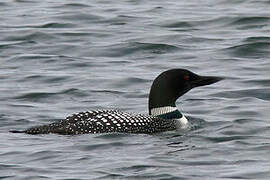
x,y
182,122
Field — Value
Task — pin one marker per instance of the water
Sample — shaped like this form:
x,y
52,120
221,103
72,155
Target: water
x,y
61,57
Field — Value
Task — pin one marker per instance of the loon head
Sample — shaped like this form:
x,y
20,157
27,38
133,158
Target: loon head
x,y
172,84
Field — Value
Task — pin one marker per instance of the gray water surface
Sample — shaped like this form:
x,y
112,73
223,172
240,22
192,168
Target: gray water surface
x,y
62,57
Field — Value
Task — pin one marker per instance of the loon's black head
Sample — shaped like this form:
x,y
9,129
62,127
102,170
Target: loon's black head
x,y
172,84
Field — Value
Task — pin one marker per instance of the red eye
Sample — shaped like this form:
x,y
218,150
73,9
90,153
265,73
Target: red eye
x,y
186,78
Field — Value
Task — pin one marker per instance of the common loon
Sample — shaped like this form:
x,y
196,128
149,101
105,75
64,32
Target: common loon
x,y
163,113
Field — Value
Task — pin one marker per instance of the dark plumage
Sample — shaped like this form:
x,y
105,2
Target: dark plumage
x,y
102,121
164,116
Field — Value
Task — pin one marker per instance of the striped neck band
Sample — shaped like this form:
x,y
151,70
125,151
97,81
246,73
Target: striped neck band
x,y
166,112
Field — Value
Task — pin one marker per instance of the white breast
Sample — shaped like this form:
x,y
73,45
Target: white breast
x,y
182,123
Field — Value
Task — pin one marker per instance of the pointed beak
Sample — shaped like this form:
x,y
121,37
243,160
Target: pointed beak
x,y
206,80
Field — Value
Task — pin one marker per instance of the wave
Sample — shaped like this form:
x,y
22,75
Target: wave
x,y
255,49
250,20
117,50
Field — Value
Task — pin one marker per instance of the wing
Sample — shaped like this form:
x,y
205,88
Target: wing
x,y
102,121
61,126
115,121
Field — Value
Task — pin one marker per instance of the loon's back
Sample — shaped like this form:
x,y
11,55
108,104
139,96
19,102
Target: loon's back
x,y
102,121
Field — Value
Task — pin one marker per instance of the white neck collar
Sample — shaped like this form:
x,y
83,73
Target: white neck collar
x,y
162,110
180,123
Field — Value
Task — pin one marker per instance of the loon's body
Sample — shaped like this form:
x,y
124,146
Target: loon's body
x,y
163,113
105,121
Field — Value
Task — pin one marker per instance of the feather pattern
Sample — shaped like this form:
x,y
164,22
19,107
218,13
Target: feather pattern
x,y
102,121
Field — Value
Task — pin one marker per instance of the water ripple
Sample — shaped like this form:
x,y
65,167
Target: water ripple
x,y
256,49
58,58
118,50
251,20
38,96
